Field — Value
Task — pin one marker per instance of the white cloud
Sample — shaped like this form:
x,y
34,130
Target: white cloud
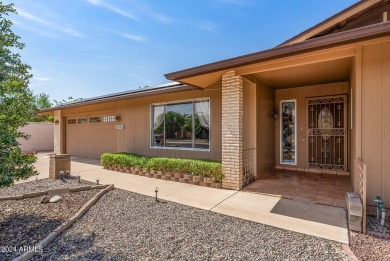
x,y
41,79
113,8
56,27
72,32
140,7
134,37
30,17
208,26
43,32
161,18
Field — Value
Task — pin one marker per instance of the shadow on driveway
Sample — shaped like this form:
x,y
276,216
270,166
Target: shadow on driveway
x,y
90,161
329,215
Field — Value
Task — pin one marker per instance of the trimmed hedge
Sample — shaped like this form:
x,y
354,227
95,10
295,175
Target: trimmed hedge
x,y
205,168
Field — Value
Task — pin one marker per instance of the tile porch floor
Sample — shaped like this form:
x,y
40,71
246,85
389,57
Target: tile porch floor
x,y
308,187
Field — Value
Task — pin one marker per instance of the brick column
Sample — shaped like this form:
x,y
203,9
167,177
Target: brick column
x,y
232,124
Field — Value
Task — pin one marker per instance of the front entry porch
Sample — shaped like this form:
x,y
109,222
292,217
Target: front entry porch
x,y
318,188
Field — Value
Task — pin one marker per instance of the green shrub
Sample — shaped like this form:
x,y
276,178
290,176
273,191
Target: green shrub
x,y
205,168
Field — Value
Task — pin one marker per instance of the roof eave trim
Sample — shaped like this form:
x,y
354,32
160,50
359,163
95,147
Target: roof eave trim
x,y
119,97
334,17
356,35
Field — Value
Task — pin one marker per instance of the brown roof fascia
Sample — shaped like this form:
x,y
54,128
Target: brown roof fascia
x,y
351,36
121,96
325,21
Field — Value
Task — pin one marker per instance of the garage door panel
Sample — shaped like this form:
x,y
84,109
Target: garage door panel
x,y
90,139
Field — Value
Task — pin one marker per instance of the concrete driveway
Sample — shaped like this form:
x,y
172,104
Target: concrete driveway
x,y
307,218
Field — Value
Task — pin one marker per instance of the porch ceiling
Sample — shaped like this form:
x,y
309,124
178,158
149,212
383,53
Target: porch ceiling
x,y
308,74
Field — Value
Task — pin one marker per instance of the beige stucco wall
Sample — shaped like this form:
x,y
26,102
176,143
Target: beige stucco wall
x,y
355,133
59,132
41,137
300,94
375,79
264,129
135,114
249,120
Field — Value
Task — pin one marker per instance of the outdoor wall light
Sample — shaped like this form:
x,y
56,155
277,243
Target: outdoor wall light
x,y
156,190
97,181
56,122
274,113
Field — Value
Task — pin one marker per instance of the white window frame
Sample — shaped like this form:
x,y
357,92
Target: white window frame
x,y
151,131
281,133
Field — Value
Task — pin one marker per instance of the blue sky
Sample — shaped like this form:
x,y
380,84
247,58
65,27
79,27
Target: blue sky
x,y
86,48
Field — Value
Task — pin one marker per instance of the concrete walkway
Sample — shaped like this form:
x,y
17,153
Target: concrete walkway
x,y
307,218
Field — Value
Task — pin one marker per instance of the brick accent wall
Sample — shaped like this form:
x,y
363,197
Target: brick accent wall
x,y
232,130
59,163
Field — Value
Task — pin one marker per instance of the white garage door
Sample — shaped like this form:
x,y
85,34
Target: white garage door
x,y
90,136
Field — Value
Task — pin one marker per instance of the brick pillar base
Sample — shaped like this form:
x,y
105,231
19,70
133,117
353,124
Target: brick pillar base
x,y
232,124
58,163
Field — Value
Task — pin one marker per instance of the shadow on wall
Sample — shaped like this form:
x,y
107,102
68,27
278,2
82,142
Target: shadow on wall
x,y
329,215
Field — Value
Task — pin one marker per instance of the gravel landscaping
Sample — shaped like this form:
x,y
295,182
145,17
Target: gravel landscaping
x,y
375,226
367,247
42,185
23,223
128,226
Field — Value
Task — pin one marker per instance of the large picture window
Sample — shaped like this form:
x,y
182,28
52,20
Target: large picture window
x,y
182,125
288,132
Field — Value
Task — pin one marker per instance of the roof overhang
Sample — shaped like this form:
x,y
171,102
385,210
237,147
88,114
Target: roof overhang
x,y
137,93
215,69
359,7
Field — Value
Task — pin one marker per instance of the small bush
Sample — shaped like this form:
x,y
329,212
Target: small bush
x,y
205,168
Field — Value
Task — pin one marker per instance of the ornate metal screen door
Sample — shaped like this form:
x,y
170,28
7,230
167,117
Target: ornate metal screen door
x,y
327,133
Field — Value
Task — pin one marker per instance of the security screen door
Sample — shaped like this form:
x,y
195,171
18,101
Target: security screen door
x,y
327,133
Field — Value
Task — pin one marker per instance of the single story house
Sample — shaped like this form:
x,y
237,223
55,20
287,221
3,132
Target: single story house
x,y
315,103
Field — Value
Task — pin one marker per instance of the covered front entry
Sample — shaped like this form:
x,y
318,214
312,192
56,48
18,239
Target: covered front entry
x,y
306,156
313,149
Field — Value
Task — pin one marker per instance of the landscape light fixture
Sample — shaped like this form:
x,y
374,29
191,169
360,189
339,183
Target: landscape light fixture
x,y
97,181
78,176
156,190
62,174
68,174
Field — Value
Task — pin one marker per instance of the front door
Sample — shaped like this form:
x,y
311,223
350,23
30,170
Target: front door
x,y
327,133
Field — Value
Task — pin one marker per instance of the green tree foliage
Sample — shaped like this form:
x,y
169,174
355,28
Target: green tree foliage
x,y
70,99
16,104
174,121
42,101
